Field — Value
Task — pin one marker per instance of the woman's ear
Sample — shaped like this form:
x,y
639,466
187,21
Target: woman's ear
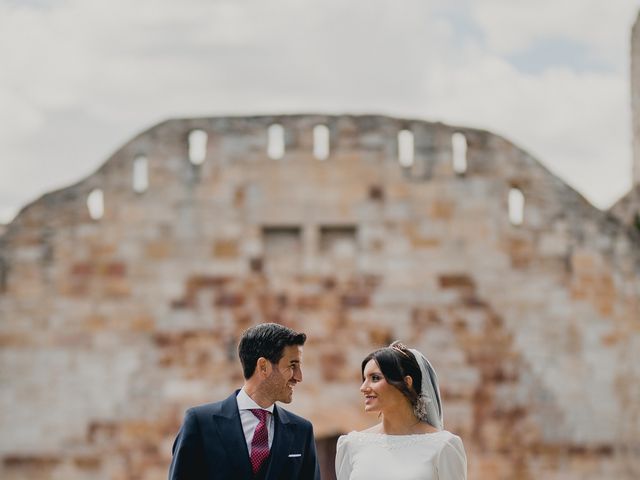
x,y
408,380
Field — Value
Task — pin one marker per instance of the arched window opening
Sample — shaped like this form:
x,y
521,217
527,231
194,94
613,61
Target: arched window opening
x,y
275,147
459,145
516,206
321,142
405,148
197,146
95,204
140,174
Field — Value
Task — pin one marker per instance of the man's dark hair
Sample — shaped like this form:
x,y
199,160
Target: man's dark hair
x,y
266,340
396,362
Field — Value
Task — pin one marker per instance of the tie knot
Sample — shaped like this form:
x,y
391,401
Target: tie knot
x,y
260,413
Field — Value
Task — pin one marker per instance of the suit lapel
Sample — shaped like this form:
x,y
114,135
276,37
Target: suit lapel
x,y
229,427
281,447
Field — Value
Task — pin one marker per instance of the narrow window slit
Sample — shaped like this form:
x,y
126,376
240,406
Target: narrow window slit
x,y
459,145
95,204
275,147
405,148
197,146
321,142
516,206
140,174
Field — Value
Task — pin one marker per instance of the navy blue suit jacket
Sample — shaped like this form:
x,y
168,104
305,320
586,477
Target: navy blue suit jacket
x,y
211,445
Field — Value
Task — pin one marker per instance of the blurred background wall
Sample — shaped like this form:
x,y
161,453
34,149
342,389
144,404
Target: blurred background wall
x,y
122,297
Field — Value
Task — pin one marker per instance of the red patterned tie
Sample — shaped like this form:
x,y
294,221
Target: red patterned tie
x,y
260,442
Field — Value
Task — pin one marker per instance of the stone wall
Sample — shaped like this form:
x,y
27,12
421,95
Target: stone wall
x,y
112,325
635,98
627,208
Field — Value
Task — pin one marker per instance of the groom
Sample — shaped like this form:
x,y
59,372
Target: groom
x,y
247,436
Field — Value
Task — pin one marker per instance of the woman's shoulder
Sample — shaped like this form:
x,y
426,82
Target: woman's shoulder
x,y
374,435
450,437
447,435
446,438
451,445
345,440
347,437
359,433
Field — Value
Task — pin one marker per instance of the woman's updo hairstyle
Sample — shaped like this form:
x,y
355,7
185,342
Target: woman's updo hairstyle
x,y
396,362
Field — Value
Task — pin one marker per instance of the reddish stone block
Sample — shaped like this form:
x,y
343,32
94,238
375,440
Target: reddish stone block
x,y
117,287
229,300
39,462
116,269
355,300
225,249
441,209
309,302
158,249
88,462
181,303
333,365
521,252
82,269
456,280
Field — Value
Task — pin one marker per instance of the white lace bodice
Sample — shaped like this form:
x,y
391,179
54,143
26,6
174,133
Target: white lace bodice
x,y
430,456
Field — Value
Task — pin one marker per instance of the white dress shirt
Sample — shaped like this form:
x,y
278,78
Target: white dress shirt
x,y
249,420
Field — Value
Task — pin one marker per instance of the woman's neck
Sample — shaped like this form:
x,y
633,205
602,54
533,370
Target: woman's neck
x,y
400,422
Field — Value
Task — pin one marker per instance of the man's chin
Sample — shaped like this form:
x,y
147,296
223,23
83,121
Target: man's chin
x,y
286,398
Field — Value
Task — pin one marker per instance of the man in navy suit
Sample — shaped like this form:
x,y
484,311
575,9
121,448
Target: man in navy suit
x,y
247,436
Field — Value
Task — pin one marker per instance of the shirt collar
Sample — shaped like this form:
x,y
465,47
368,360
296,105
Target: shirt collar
x,y
245,402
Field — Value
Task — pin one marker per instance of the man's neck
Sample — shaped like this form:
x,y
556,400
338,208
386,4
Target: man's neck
x,y
257,395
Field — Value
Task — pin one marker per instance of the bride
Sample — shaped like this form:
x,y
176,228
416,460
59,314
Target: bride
x,y
410,442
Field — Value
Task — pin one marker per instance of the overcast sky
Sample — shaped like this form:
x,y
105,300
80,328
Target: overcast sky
x,y
79,78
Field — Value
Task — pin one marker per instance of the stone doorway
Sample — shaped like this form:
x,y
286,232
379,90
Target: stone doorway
x,y
326,456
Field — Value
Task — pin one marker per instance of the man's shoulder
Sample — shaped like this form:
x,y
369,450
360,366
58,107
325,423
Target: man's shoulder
x,y
212,408
205,408
291,417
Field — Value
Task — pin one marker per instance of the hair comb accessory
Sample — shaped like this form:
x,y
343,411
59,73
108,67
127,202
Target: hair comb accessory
x,y
400,347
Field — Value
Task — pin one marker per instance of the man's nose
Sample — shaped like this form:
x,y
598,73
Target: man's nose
x,y
297,374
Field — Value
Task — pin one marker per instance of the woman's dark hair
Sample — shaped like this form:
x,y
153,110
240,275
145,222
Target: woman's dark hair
x,y
266,340
396,362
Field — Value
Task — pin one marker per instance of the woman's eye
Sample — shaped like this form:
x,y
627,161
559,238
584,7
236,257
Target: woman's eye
x,y
375,378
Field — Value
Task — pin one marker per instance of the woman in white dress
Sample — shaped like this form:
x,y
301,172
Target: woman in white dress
x,y
410,442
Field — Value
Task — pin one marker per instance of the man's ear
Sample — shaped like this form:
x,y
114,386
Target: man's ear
x,y
263,367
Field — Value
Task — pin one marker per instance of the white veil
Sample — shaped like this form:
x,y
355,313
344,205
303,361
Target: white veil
x,y
429,405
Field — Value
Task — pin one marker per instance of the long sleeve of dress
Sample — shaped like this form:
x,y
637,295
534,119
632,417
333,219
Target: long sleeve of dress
x,y
343,459
452,460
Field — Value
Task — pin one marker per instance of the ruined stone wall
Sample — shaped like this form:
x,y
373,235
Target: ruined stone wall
x,y
627,208
111,327
635,98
